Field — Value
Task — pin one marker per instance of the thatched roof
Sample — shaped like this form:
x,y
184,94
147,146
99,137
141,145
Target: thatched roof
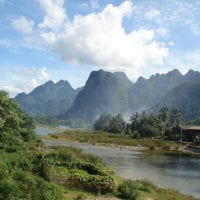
x,y
191,128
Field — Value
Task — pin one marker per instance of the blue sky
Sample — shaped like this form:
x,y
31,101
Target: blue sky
x,y
44,40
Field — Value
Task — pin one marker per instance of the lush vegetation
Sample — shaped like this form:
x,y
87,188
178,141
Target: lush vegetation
x,y
110,124
30,170
19,178
143,125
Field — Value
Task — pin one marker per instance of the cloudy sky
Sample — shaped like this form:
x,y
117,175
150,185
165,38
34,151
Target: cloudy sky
x,y
44,40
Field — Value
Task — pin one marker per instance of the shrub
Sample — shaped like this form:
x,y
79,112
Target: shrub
x,y
93,183
135,135
146,185
4,171
9,189
129,190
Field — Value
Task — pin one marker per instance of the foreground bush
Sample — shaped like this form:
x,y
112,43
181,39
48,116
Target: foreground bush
x,y
129,190
92,183
70,167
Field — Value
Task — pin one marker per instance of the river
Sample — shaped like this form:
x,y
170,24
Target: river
x,y
44,130
168,170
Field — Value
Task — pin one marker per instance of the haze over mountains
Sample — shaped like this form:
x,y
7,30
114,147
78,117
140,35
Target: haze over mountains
x,y
115,93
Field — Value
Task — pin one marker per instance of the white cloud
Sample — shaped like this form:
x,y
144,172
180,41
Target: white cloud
x,y
32,71
152,14
36,73
24,79
44,74
23,25
184,60
99,39
21,86
34,84
162,31
55,14
171,43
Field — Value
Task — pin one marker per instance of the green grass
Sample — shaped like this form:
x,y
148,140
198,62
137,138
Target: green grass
x,y
95,137
143,189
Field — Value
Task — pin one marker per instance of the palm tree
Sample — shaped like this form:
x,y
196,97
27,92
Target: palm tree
x,y
164,115
163,118
176,119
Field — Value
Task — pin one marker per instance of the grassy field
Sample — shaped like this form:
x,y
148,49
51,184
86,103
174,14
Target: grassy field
x,y
97,137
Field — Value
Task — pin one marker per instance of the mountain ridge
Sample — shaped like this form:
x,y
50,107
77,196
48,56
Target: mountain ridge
x,y
185,97
49,98
104,92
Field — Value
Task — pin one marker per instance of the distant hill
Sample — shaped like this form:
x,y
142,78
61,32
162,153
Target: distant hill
x,y
103,92
115,93
185,97
112,93
147,92
49,99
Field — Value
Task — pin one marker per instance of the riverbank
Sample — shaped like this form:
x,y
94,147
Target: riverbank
x,y
117,140
143,188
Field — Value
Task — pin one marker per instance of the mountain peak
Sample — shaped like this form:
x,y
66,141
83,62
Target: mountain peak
x,y
20,95
49,99
63,83
192,76
191,72
174,72
49,83
140,80
103,92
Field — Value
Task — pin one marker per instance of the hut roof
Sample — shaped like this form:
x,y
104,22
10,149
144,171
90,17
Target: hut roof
x,y
192,128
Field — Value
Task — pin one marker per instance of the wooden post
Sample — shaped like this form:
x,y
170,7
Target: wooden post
x,y
181,128
181,135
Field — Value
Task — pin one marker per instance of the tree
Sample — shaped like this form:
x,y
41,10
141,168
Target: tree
x,y
164,115
103,123
135,122
117,124
175,117
15,125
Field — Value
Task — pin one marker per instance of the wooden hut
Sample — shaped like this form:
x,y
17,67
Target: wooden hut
x,y
189,133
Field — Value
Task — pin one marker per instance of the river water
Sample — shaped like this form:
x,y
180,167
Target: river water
x,y
168,170
44,130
